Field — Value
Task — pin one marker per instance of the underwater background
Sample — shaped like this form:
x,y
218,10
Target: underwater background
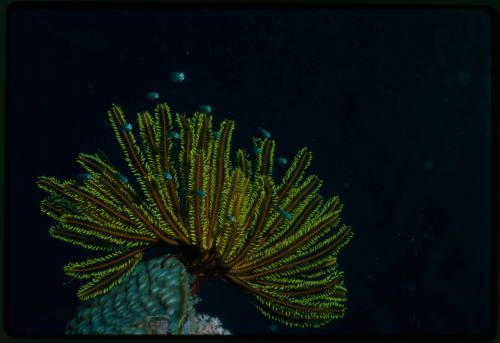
x,y
395,105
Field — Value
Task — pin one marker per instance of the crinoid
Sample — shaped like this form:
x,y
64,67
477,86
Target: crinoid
x,y
277,242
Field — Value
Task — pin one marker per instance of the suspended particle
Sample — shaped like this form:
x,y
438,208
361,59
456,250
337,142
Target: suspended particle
x,y
284,213
167,176
282,160
122,178
427,165
174,135
231,218
177,76
152,96
216,134
266,133
198,192
126,127
84,176
205,109
68,281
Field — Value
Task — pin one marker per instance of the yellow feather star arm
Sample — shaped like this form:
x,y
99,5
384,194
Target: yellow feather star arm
x,y
309,232
105,271
234,209
197,204
68,198
295,172
292,204
300,290
219,175
243,161
165,159
113,234
253,197
260,213
265,156
144,171
105,183
82,240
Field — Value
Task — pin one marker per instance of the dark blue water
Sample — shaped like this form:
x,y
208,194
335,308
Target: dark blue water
x,y
394,105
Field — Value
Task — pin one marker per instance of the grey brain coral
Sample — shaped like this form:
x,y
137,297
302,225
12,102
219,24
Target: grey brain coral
x,y
154,299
